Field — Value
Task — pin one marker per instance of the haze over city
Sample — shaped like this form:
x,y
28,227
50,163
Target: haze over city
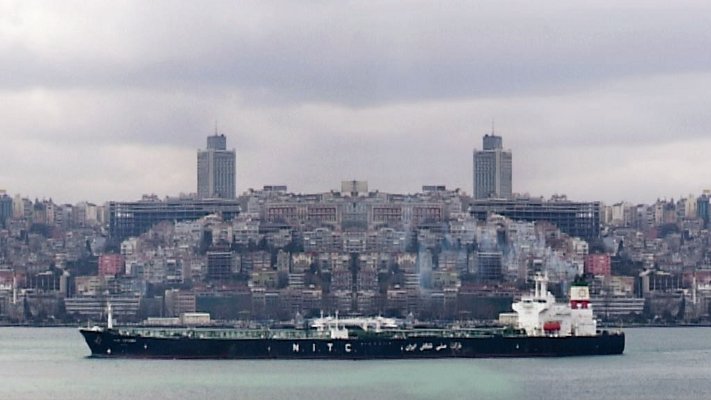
x,y
601,101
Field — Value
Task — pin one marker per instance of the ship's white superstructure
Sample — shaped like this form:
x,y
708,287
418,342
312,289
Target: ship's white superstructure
x,y
539,314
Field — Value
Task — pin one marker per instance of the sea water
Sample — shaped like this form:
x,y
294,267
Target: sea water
x,y
658,363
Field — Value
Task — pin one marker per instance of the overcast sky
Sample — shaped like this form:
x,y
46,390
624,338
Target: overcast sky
x,y
599,100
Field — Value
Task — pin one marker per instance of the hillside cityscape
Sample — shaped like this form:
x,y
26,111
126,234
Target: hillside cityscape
x,y
271,254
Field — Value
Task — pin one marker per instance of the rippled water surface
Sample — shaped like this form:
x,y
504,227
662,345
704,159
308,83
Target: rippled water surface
x,y
659,363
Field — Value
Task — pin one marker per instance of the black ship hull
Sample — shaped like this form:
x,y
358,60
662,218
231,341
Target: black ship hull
x,y
112,343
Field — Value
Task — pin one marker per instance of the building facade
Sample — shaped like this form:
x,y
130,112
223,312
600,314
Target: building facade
x,y
581,219
598,264
128,219
216,170
111,264
492,170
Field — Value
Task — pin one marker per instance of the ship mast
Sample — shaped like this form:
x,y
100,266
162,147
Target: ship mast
x,y
110,322
14,289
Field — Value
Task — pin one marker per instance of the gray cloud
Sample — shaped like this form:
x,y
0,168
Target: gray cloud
x,y
115,98
359,53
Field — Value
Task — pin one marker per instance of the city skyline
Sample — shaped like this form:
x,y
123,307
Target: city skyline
x,y
603,101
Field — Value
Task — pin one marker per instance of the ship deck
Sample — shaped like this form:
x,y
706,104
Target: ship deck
x,y
232,334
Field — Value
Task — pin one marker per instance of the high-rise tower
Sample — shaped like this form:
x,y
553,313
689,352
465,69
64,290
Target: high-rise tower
x,y
216,170
492,170
5,208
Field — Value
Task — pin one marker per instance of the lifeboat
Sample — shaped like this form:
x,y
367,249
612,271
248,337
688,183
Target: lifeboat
x,y
551,326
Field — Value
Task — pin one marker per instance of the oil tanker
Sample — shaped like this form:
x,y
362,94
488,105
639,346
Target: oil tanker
x,y
538,327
